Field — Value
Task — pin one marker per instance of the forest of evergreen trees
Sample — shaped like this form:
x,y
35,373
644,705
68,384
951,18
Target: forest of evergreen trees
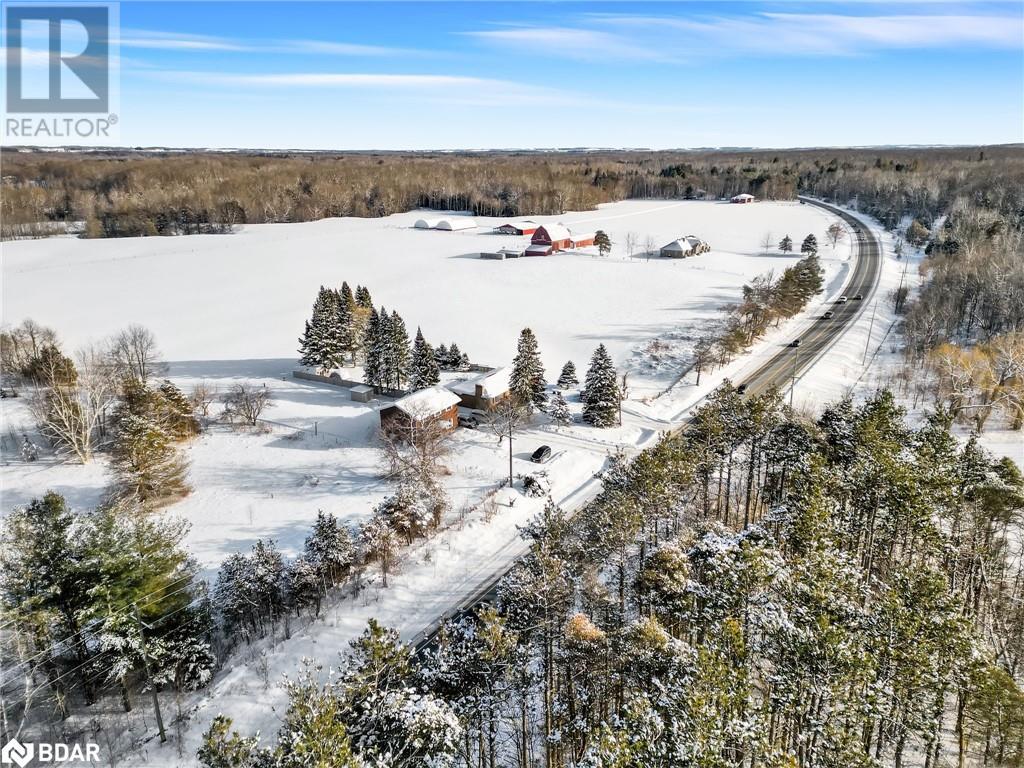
x,y
763,590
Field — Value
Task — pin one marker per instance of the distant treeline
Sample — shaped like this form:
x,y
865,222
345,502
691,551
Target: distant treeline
x,y
126,193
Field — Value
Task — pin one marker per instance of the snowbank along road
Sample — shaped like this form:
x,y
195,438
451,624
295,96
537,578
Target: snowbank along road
x,y
781,369
791,362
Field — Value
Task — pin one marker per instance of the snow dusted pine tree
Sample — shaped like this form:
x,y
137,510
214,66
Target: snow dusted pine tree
x,y
329,547
809,245
559,410
374,364
319,346
346,295
424,370
346,326
441,356
567,378
786,244
527,380
601,390
401,355
363,297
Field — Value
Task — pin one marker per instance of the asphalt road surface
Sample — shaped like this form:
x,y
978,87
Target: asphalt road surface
x,y
779,371
790,362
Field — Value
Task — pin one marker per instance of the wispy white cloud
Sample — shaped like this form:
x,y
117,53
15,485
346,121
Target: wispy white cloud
x,y
571,42
825,33
177,41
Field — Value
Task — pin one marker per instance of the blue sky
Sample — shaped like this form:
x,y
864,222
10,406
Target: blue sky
x,y
423,75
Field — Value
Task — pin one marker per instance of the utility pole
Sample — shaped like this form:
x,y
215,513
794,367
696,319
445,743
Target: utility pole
x,y
149,679
871,329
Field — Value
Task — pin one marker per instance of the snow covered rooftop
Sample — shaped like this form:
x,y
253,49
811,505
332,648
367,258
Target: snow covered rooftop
x,y
426,223
426,402
494,383
456,222
557,231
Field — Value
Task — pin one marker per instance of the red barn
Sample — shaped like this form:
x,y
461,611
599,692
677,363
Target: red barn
x,y
555,236
581,241
516,228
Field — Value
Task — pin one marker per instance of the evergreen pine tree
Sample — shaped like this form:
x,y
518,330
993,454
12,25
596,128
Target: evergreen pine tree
x,y
373,366
809,245
454,359
526,382
786,244
601,390
567,378
320,345
603,242
401,351
559,410
363,297
346,327
441,356
145,463
346,295
424,371
178,417
329,547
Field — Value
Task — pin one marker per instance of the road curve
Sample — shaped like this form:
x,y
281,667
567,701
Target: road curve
x,y
790,362
780,370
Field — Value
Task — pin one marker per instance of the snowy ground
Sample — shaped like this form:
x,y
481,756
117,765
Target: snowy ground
x,y
244,297
228,308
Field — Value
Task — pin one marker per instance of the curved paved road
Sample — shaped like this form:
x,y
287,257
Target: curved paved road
x,y
790,362
786,364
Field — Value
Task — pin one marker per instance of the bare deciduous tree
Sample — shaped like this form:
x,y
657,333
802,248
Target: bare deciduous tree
x,y
650,245
631,242
135,353
204,394
504,419
22,344
415,447
835,233
247,402
70,415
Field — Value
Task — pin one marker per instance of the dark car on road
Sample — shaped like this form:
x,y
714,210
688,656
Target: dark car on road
x,y
541,455
828,315
795,343
741,389
859,297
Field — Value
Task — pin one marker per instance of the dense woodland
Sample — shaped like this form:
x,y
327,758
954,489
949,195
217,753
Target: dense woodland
x,y
763,590
119,194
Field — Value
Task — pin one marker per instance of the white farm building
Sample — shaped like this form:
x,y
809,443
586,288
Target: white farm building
x,y
456,223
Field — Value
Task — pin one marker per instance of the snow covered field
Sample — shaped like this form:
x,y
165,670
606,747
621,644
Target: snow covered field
x,y
228,308
244,297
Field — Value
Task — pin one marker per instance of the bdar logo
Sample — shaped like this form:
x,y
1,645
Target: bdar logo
x,y
16,752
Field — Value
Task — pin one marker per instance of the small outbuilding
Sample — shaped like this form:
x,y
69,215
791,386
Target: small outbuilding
x,y
422,407
456,223
525,227
742,198
361,393
502,253
582,240
426,223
